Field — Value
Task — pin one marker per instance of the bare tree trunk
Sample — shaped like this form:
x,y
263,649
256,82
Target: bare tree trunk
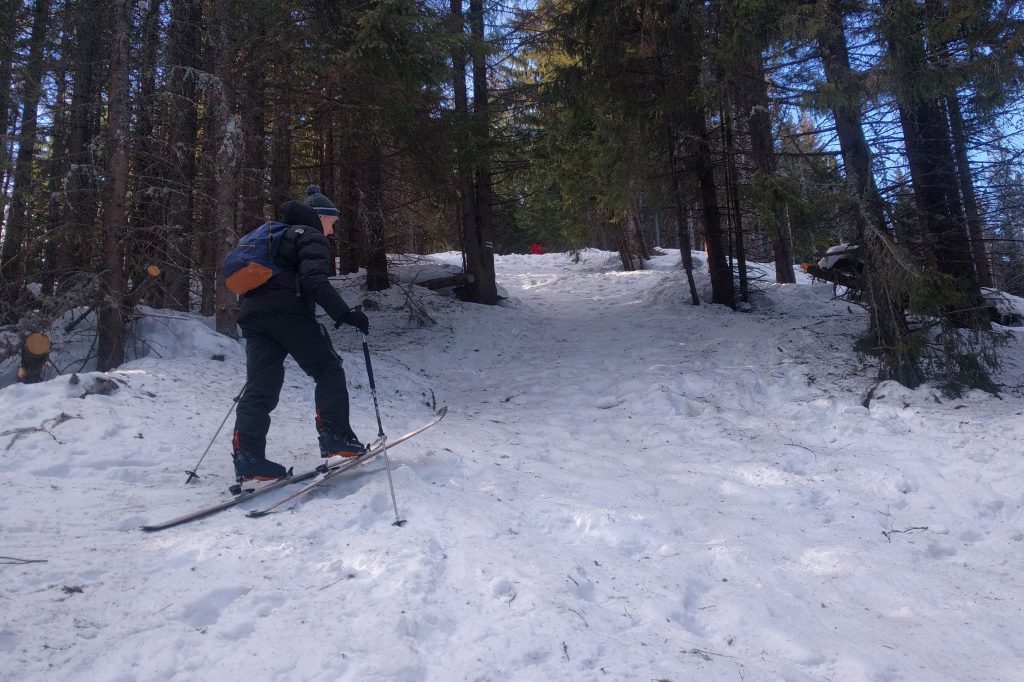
x,y
281,155
682,219
928,148
638,233
8,31
110,329
632,234
143,241
896,360
733,193
350,236
254,82
693,130
974,226
328,168
623,244
183,140
207,247
755,109
678,200
228,150
12,259
56,170
480,244
463,151
80,197
722,289
372,210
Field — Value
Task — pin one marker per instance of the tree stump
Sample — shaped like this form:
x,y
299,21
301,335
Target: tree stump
x,y
35,353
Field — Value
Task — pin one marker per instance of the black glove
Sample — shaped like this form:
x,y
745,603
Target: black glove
x,y
356,318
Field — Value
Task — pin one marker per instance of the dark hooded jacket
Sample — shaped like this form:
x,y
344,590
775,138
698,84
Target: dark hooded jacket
x,y
304,258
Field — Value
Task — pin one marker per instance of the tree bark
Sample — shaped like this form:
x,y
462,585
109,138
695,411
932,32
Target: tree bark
x,y
281,155
463,149
927,143
12,260
349,233
228,149
970,201
692,128
57,168
733,193
372,213
143,241
762,146
8,31
480,242
254,81
80,196
682,217
722,288
110,328
183,140
887,319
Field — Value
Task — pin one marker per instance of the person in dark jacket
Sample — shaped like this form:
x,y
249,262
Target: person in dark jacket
x,y
278,319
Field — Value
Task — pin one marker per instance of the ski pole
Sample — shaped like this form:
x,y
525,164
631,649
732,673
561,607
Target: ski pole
x,y
192,472
380,431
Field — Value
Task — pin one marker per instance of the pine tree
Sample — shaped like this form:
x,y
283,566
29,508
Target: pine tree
x,y
918,89
110,323
844,92
227,150
8,32
12,253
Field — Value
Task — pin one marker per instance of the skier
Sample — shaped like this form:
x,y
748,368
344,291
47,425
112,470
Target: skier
x,y
278,319
324,208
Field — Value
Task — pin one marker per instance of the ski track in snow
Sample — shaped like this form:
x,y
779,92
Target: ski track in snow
x,y
625,488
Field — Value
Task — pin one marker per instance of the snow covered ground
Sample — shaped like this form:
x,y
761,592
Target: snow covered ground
x,y
625,488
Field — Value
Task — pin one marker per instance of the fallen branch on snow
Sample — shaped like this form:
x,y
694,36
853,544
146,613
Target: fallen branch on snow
x,y
889,533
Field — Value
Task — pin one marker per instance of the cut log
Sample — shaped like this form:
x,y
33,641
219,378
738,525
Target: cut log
x,y
35,352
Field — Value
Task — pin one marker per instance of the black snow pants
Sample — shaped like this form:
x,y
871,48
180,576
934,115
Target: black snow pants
x,y
270,337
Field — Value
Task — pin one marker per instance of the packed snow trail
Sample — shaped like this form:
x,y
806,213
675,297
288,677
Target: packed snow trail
x,y
626,488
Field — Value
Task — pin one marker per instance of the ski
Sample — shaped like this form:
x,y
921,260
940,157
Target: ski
x,y
237,499
328,470
339,469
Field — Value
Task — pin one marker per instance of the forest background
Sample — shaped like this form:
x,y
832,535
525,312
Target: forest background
x,y
141,138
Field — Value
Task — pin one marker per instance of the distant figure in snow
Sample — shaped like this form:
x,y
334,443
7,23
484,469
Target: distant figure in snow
x,y
279,319
536,249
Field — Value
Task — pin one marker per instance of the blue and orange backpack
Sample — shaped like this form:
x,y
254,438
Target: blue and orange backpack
x,y
250,264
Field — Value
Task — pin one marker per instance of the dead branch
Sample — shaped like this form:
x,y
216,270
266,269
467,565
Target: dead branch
x,y
18,562
889,533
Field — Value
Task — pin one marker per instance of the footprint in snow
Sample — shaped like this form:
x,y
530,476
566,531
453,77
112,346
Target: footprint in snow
x,y
207,609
